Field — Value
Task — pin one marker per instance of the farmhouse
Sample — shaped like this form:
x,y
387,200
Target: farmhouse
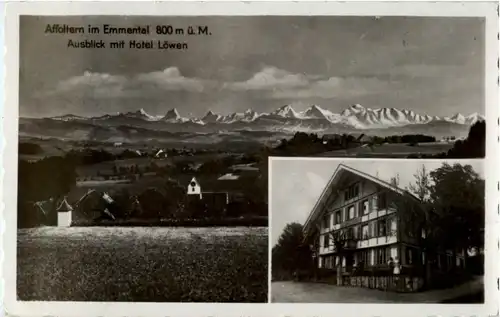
x,y
359,229
216,201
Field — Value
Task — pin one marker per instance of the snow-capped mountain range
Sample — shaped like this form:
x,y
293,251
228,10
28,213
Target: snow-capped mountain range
x,y
354,117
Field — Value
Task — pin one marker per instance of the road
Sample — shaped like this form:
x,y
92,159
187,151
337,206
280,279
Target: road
x,y
299,292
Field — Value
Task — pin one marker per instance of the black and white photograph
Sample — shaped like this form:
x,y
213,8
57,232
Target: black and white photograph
x,y
377,231
127,191
164,157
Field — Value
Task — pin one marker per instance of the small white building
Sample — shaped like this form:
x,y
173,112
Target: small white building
x,y
64,212
194,187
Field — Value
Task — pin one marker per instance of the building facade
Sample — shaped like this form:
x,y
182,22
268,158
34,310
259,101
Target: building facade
x,y
373,224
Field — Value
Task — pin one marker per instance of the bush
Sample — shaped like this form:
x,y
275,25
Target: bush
x,y
29,148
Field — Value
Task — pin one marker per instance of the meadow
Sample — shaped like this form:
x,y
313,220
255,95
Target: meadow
x,y
148,264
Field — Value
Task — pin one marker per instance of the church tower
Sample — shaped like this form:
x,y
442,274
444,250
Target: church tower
x,y
194,188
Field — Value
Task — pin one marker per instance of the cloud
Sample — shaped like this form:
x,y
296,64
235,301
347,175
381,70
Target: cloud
x,y
269,83
98,84
172,79
270,78
103,85
337,87
277,83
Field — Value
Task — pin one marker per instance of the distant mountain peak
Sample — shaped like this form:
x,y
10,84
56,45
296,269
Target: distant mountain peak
x,y
316,111
357,107
138,114
68,117
286,118
286,111
458,116
353,109
211,117
172,114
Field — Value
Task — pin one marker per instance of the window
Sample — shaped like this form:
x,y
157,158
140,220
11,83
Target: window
x,y
382,201
365,207
364,257
373,232
381,255
351,192
393,227
328,261
350,233
326,222
375,202
326,241
411,255
351,211
365,232
382,228
338,217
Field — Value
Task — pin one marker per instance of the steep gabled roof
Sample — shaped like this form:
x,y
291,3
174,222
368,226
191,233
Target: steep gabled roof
x,y
64,206
334,179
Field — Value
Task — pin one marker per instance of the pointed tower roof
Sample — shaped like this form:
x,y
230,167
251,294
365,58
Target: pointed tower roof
x,y
64,206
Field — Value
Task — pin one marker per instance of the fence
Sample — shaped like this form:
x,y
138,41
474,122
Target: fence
x,y
386,283
375,280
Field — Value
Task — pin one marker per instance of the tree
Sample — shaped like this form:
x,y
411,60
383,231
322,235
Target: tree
x,y
421,186
457,195
291,254
395,181
421,219
448,213
472,147
340,239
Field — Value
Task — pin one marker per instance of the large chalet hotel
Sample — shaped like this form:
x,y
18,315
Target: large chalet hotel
x,y
361,212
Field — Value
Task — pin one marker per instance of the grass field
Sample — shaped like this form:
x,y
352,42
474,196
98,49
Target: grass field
x,y
143,264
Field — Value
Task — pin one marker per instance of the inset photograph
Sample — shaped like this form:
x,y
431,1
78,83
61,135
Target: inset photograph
x,y
377,231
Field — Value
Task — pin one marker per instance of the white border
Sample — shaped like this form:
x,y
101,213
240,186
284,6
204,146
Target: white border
x,y
10,123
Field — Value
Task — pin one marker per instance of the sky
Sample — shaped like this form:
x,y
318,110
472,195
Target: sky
x,y
432,65
293,198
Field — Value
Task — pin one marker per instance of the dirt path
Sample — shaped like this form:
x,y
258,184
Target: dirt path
x,y
294,292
